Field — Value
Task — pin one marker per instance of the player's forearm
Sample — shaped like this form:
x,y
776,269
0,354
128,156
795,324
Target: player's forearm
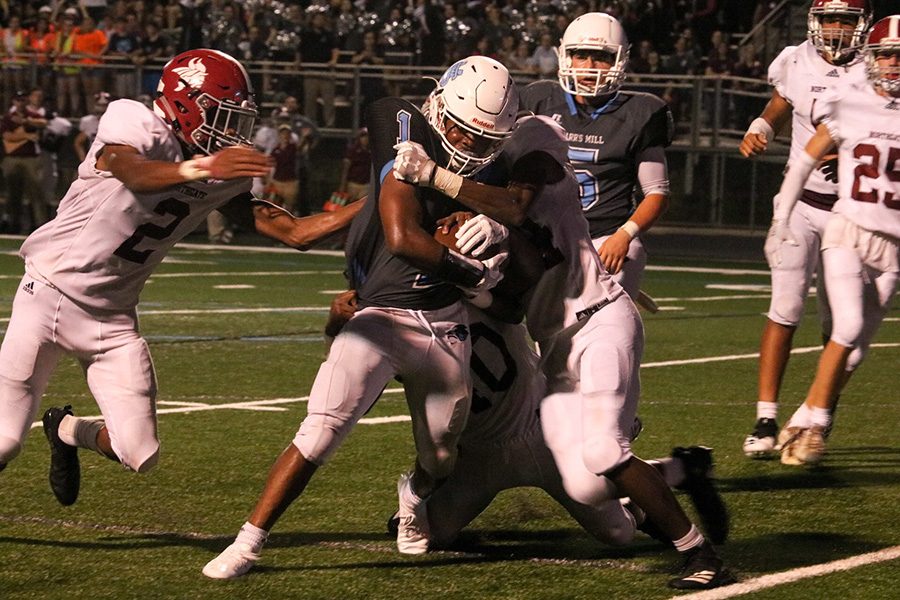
x,y
508,206
651,208
777,113
302,232
146,176
799,170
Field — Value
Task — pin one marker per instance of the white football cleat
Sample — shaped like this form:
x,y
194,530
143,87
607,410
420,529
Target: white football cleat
x,y
810,447
234,561
787,441
412,530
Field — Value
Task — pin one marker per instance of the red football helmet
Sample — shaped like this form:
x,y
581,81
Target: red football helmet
x,y
884,39
207,98
833,43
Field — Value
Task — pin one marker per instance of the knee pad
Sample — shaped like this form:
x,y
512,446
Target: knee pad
x,y
847,330
9,449
786,308
320,435
603,453
856,357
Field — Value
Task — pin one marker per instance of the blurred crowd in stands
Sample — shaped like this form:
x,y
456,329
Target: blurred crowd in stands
x,y
68,58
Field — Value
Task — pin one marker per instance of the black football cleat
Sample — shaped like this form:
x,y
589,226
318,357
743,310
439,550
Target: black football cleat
x,y
702,570
65,471
393,525
698,484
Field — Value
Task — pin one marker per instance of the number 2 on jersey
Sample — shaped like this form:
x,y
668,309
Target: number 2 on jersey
x,y
169,206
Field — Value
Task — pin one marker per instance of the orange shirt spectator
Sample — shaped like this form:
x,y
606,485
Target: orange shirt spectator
x,y
89,42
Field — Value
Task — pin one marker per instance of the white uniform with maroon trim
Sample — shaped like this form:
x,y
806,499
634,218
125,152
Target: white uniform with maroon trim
x,y
803,78
588,330
503,446
84,272
861,245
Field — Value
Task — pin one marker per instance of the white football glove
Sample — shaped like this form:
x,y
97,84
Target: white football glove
x,y
779,233
478,234
413,164
491,277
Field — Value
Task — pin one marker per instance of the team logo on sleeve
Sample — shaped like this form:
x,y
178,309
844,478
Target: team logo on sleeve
x,y
194,74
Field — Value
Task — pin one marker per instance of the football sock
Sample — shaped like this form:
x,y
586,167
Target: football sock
x,y
253,536
409,498
81,433
672,470
692,539
766,410
801,418
821,417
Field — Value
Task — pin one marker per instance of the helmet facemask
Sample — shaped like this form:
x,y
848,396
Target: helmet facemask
x,y
837,44
464,162
588,81
883,76
225,123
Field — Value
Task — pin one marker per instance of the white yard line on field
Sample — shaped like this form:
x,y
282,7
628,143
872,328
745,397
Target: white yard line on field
x,y
776,579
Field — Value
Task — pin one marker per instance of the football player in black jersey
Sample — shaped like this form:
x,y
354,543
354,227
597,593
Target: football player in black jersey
x,y
410,322
616,141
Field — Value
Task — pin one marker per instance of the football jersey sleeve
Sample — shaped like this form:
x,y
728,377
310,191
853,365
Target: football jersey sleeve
x,y
130,123
391,121
824,111
779,72
658,131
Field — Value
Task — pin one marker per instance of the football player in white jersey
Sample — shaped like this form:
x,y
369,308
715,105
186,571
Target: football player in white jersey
x,y
150,177
410,310
801,75
588,330
862,236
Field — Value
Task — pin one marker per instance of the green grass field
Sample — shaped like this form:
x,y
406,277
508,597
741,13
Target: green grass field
x,y
236,339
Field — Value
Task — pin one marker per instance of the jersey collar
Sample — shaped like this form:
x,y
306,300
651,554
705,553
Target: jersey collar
x,y
573,107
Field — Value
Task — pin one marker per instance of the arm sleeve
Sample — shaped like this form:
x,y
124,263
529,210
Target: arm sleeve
x,y
653,172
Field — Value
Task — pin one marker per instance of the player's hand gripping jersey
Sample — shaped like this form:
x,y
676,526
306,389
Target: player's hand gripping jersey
x,y
803,78
106,240
380,278
604,152
579,280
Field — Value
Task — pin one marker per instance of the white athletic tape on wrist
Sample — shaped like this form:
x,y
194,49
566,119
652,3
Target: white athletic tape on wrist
x,y
194,169
447,182
760,125
631,228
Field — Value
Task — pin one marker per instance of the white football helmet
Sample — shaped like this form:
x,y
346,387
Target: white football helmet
x,y
593,31
883,39
833,44
477,95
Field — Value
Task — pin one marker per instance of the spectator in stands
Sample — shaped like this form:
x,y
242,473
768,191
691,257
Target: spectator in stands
x,y
284,180
68,82
90,43
495,27
40,45
21,166
224,29
639,61
371,87
319,45
87,126
13,50
430,35
682,61
749,66
155,47
356,167
521,60
545,61
308,138
122,48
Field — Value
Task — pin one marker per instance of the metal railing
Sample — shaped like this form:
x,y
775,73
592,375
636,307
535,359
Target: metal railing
x,y
711,183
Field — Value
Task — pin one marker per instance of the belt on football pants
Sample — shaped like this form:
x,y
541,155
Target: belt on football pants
x,y
581,315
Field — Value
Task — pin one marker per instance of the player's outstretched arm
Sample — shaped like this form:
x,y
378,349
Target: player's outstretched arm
x,y
764,128
142,175
302,232
798,171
